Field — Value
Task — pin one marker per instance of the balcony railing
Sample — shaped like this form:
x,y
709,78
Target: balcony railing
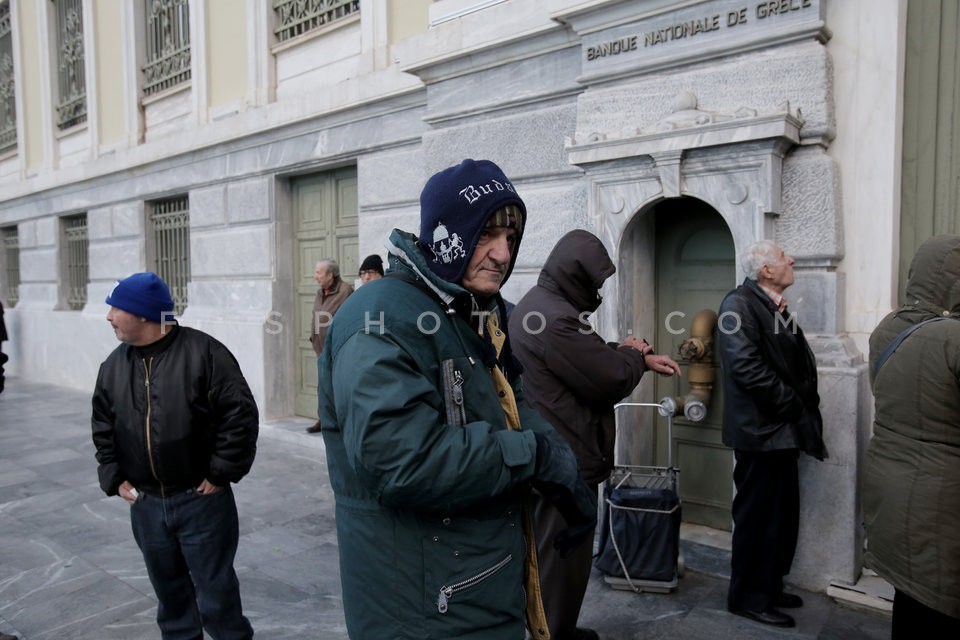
x,y
297,17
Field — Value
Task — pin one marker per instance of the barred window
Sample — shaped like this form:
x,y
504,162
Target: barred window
x,y
8,111
170,223
296,17
72,108
167,45
11,260
76,260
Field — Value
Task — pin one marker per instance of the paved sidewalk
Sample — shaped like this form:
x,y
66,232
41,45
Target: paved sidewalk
x,y
70,570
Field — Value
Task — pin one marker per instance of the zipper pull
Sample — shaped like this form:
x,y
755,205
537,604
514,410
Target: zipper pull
x,y
445,592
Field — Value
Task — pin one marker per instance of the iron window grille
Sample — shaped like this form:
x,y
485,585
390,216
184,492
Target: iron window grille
x,y
8,110
11,259
296,17
170,219
167,45
72,109
77,260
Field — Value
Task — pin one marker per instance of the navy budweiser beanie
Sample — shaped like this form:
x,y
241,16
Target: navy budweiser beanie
x,y
455,206
145,295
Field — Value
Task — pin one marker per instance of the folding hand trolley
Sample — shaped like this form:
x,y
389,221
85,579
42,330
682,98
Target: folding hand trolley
x,y
639,547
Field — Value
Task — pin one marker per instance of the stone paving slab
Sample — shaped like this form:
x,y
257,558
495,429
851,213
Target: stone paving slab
x,y
70,570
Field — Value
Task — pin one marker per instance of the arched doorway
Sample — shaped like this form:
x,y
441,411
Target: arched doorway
x,y
694,267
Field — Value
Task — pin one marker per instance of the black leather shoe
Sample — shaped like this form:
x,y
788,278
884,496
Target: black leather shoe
x,y
788,601
314,428
768,616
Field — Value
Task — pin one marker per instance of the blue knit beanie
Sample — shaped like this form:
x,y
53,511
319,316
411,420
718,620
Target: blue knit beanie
x,y
145,295
455,206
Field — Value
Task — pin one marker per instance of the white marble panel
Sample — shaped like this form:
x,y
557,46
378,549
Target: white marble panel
x,y
40,295
529,78
74,148
39,265
811,222
48,231
524,144
208,206
170,115
328,53
250,200
129,219
764,81
116,259
553,209
98,223
390,177
228,298
242,251
816,298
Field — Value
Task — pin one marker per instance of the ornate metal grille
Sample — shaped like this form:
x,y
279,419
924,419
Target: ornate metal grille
x,y
11,251
170,219
77,260
72,109
8,111
167,46
296,17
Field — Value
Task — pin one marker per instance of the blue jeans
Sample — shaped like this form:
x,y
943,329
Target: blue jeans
x,y
188,542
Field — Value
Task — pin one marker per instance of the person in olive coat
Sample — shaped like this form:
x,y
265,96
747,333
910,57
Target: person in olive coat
x,y
912,473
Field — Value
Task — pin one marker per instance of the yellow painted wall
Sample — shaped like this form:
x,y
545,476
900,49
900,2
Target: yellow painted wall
x,y
407,17
227,51
32,114
108,61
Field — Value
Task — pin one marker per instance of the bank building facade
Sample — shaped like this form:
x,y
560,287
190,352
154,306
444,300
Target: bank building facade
x,y
229,144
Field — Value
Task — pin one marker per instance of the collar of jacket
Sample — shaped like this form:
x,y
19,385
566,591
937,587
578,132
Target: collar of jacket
x,y
755,289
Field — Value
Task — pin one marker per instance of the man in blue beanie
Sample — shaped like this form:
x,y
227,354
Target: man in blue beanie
x,y
174,423
430,449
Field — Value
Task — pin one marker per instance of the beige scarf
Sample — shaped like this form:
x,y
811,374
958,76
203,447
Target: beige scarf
x,y
536,618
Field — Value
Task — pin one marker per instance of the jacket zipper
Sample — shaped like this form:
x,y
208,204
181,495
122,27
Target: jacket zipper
x,y
447,592
148,367
458,395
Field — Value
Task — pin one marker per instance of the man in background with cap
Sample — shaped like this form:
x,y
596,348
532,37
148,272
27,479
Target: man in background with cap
x,y
174,423
430,449
331,294
371,269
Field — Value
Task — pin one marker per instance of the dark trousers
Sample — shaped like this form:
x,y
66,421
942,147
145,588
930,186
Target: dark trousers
x,y
563,581
766,520
3,360
189,541
913,619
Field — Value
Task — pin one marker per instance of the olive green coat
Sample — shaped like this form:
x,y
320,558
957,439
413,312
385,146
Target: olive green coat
x,y
912,472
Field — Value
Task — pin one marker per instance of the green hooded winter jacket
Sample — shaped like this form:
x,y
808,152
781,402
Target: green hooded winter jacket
x,y
912,471
428,512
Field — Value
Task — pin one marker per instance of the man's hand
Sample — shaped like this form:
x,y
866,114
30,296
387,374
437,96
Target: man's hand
x,y
664,365
206,487
127,492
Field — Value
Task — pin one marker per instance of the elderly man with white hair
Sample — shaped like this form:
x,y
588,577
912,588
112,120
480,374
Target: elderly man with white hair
x,y
770,413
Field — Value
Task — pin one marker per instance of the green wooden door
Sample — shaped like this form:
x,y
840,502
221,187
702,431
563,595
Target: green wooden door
x,y
694,270
324,226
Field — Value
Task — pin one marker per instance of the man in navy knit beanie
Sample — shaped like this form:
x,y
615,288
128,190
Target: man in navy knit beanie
x,y
174,424
430,449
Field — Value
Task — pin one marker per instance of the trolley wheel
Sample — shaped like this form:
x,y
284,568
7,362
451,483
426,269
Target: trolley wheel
x,y
681,565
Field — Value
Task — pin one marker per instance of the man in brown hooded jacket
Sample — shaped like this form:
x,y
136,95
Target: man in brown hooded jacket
x,y
574,378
